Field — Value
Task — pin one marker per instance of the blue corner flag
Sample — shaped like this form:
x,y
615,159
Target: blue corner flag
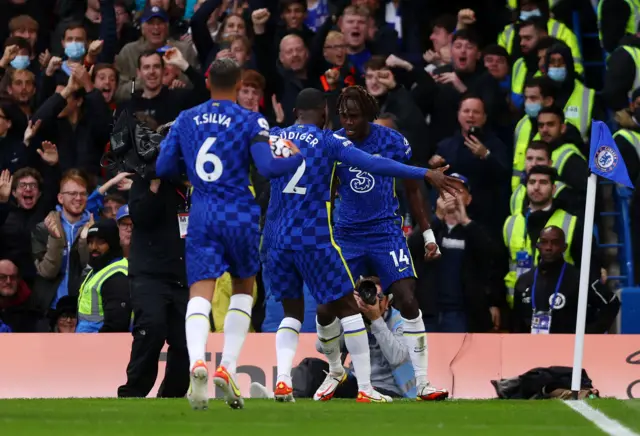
x,y
604,157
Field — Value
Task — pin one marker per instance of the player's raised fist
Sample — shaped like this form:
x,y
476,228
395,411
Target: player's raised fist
x,y
282,148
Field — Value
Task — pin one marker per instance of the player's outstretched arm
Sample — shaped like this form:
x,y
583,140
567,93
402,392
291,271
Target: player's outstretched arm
x,y
169,157
268,165
380,165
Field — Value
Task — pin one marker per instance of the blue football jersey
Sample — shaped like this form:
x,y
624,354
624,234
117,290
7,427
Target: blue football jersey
x,y
368,203
299,205
215,139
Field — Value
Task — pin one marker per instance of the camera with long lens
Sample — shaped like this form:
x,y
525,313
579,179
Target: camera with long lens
x,y
367,290
134,147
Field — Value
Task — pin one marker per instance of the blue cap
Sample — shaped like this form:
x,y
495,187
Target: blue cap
x,y
123,212
154,12
462,178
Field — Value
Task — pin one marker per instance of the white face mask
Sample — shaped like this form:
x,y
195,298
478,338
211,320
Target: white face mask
x,y
525,15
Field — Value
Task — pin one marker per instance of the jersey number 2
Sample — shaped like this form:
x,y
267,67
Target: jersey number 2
x,y
291,187
204,157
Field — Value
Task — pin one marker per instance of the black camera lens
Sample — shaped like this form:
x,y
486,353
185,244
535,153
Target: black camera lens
x,y
368,292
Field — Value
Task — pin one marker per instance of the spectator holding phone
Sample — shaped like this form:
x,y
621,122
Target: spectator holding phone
x,y
480,155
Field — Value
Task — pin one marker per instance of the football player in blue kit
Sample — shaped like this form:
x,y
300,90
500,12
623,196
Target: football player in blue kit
x,y
369,230
218,140
299,247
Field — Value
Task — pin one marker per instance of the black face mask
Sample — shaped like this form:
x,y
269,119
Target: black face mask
x,y
636,115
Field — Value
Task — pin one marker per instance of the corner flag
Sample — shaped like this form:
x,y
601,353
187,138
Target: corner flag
x,y
605,159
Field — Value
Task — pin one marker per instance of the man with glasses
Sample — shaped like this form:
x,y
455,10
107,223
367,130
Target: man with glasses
x,y
59,244
15,313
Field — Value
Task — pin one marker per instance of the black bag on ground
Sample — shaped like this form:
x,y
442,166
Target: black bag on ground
x,y
539,383
308,376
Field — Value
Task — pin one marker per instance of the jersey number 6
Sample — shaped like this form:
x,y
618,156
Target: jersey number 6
x,y
204,157
291,187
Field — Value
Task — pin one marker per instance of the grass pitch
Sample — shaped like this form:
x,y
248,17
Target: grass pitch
x,y
96,417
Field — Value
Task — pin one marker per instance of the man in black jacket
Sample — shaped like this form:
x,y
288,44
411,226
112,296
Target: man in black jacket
x,y
546,297
455,291
159,292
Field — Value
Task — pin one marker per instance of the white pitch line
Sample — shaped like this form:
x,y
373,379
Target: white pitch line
x,y
602,421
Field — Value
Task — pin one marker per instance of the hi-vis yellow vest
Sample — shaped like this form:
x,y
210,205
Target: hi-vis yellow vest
x,y
579,108
555,29
519,76
516,202
90,298
632,22
517,239
635,55
631,136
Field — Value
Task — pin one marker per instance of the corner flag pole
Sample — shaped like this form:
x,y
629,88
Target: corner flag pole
x,y
585,268
605,161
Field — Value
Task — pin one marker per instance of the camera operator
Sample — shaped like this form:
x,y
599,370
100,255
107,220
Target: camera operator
x,y
391,369
159,292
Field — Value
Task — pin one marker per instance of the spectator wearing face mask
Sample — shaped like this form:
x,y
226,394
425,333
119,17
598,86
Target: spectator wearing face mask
x,y
579,102
510,37
539,93
19,56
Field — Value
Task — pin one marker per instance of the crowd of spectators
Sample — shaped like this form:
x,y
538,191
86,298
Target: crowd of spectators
x,y
499,92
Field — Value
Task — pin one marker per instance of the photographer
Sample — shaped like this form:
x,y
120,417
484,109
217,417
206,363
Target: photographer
x,y
159,292
391,368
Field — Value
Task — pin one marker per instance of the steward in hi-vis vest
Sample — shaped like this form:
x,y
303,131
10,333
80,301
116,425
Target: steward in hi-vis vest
x,y
577,100
521,230
103,302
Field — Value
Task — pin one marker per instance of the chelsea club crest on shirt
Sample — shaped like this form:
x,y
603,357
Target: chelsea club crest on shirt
x,y
606,159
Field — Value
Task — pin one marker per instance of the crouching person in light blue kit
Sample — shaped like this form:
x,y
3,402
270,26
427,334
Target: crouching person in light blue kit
x,y
391,368
103,302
